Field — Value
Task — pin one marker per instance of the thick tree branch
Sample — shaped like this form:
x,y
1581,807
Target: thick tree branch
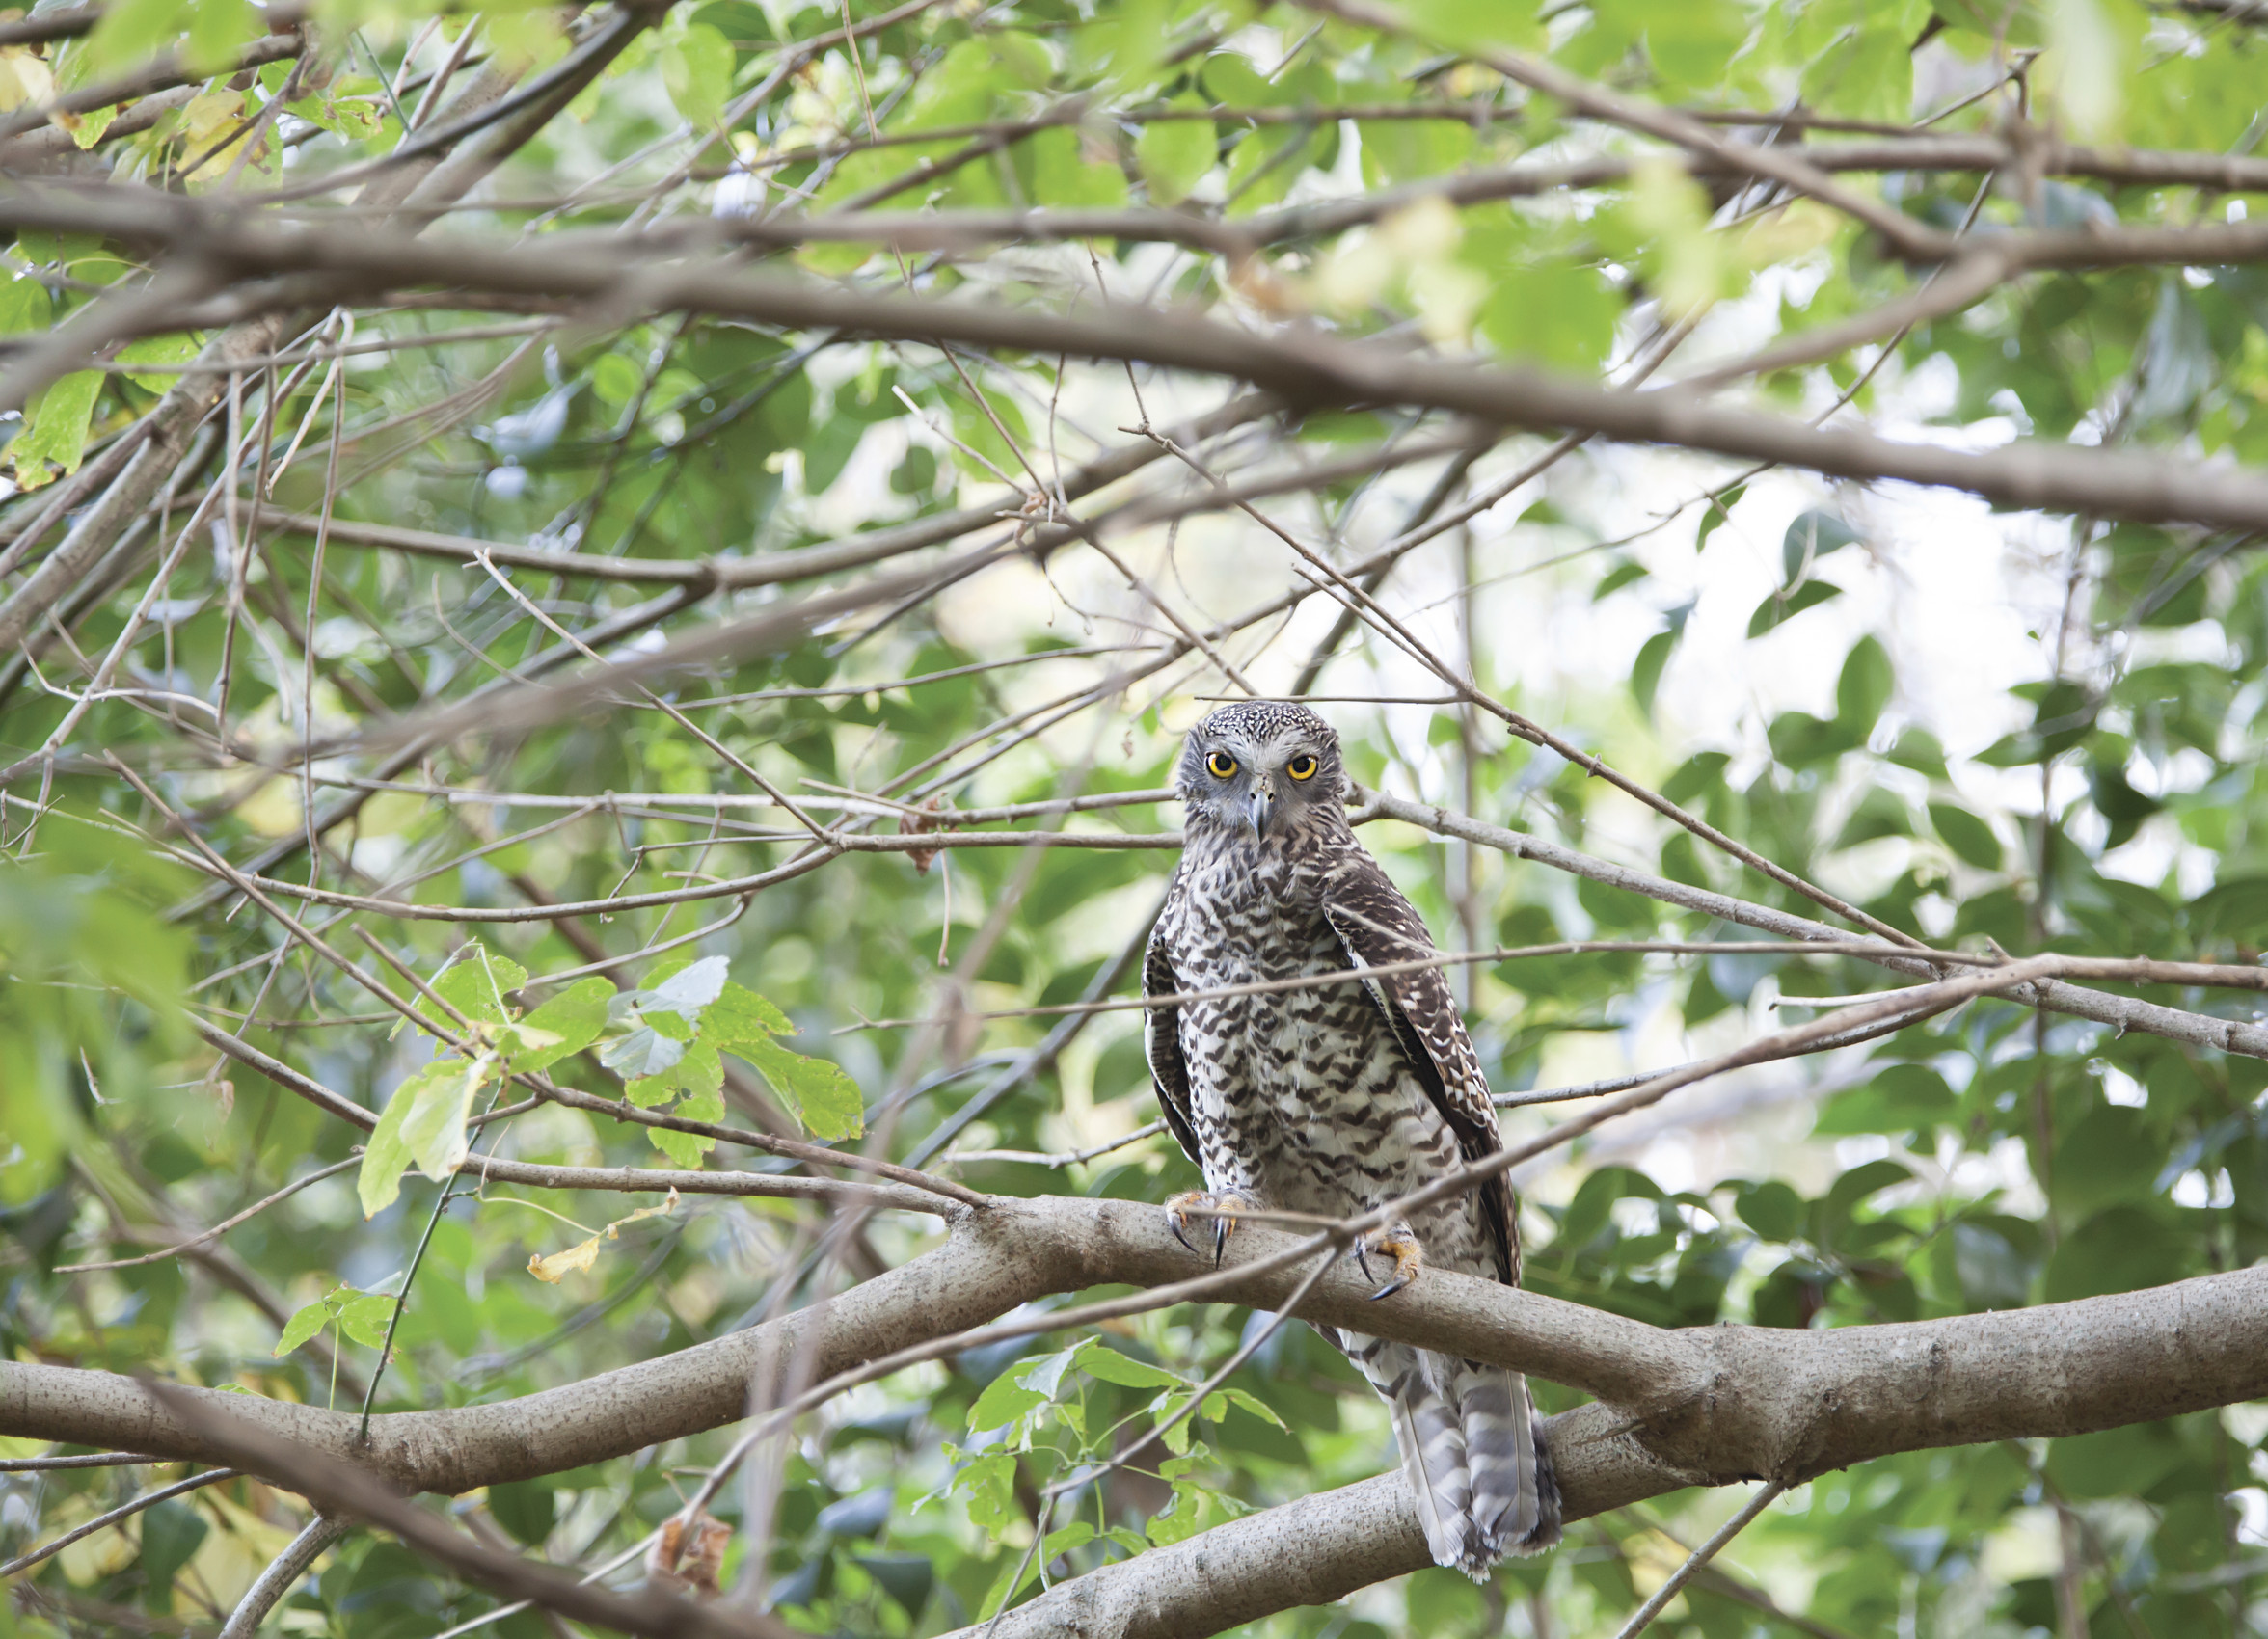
x,y
336,264
1722,1402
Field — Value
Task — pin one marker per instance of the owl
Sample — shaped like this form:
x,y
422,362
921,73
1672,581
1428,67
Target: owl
x,y
1338,1098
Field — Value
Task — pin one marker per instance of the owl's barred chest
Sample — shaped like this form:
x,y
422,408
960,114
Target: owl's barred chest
x,y
1307,1092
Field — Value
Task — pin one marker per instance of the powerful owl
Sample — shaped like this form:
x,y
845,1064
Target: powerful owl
x,y
1336,1098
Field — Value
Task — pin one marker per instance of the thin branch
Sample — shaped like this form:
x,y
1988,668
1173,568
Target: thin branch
x,y
103,1521
343,1488
1643,1617
268,1588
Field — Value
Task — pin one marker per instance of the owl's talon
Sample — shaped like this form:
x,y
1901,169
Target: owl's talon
x,y
1402,1247
1218,1206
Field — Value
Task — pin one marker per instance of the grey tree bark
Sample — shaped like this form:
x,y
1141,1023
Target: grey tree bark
x,y
1676,1407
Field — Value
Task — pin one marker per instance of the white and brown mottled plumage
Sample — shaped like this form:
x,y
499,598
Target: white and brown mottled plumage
x,y
1338,1098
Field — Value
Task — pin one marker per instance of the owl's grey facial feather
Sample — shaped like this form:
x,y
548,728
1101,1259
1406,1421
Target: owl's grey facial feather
x,y
1259,798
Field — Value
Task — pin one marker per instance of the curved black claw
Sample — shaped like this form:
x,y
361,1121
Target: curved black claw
x,y
1212,1204
1402,1247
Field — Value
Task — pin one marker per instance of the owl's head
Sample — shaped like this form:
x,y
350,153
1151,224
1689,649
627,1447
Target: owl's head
x,y
1262,768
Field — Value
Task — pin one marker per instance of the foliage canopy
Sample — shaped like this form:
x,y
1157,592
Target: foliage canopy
x,y
372,370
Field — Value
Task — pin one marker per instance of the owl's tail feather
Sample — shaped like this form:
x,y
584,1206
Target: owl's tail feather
x,y
1476,1458
1514,1493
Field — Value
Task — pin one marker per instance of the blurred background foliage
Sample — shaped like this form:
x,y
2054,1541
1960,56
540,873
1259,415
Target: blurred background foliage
x,y
2102,796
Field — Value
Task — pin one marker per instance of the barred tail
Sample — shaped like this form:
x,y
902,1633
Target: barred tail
x,y
1477,1465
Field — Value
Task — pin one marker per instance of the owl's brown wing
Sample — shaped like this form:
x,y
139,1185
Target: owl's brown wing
x,y
1378,926
1163,1031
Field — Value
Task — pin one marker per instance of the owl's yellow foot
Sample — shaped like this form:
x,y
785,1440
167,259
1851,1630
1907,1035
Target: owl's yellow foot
x,y
1220,1206
1397,1244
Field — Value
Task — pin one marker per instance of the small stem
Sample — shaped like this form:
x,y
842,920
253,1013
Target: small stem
x,y
385,1349
1699,1557
124,1510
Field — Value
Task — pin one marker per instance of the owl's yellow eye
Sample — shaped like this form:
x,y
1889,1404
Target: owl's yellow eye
x,y
1301,768
1220,765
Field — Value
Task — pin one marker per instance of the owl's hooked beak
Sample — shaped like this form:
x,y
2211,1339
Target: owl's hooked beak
x,y
1261,806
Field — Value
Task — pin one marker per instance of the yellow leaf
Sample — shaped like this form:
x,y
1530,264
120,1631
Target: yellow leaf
x,y
24,78
553,1270
273,810
584,1254
106,1553
390,812
208,116
230,1559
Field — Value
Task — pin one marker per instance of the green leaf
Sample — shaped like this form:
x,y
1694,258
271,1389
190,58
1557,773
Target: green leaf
x,y
424,1121
365,1319
1076,1535
1174,155
1183,1516
1003,1401
2121,1250
177,348
1786,605
171,1532
1717,514
1867,78
378,1181
1811,537
1918,749
1097,1358
640,1056
528,1509
1558,315
1865,687
55,429
1900,1098
697,71
572,1019
434,1129
1067,176
357,118
129,31
688,990
1178,1430
217,31
740,1014
815,1091
1625,574
476,984
988,1482
1646,670
1970,838
2119,1463
686,1149
1771,1209
24,304
302,1325
1253,1405
2110,1155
